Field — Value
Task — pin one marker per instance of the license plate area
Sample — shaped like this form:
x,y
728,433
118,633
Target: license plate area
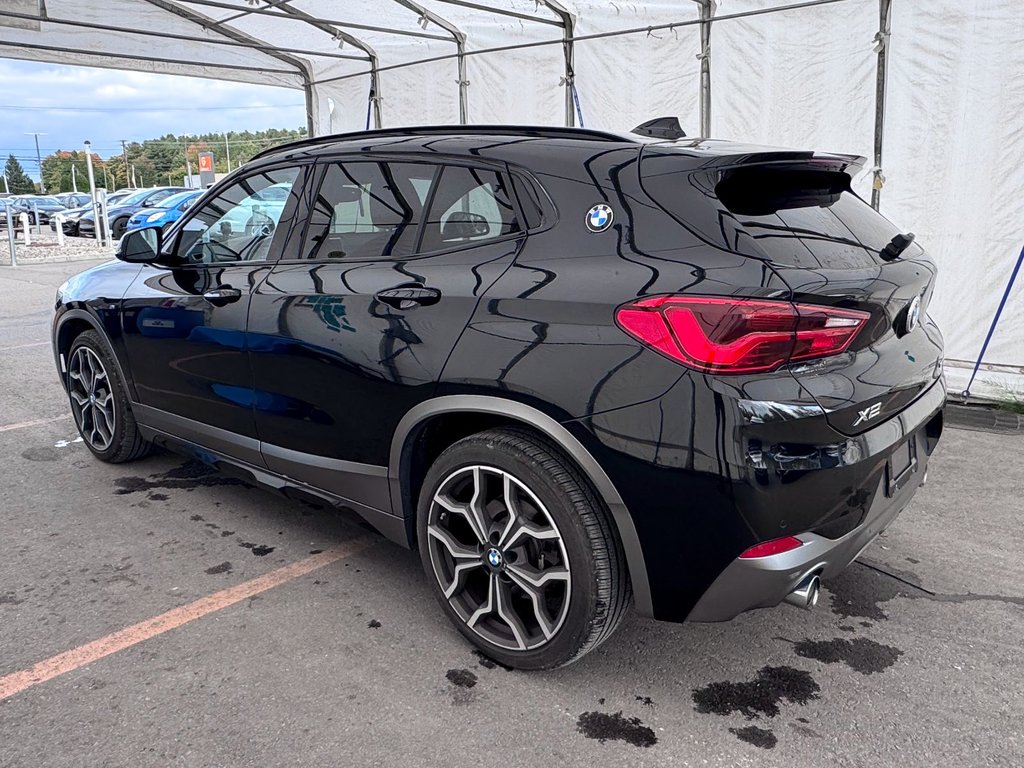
x,y
902,465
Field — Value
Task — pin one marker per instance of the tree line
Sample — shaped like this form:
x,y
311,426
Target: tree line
x,y
153,162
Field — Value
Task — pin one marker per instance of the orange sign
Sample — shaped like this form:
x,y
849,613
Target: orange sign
x,y
206,163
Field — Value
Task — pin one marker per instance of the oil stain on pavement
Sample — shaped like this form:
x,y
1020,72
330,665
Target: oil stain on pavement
x,y
759,737
757,697
604,727
188,477
860,654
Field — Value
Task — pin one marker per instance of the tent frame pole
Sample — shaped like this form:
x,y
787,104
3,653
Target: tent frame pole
x,y
459,38
568,23
707,12
881,89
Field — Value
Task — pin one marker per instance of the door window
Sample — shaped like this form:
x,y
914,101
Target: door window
x,y
368,210
471,206
239,222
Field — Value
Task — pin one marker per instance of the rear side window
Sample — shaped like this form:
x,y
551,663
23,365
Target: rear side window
x,y
470,206
789,215
367,210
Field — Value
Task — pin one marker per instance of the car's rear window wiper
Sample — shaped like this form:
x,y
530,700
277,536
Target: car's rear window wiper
x,y
896,246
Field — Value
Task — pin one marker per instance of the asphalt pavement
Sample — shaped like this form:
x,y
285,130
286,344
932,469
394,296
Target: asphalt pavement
x,y
161,614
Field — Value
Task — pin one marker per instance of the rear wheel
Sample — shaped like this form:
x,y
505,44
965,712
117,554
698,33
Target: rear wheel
x,y
520,551
118,228
99,403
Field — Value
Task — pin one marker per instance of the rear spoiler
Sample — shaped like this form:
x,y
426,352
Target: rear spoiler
x,y
714,154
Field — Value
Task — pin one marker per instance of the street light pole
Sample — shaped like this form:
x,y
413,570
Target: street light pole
x,y
39,160
74,181
7,189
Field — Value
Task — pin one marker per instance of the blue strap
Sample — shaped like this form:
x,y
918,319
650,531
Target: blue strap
x,y
576,101
995,321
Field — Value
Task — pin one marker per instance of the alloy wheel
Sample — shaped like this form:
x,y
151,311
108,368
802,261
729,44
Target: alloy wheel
x,y
92,400
499,558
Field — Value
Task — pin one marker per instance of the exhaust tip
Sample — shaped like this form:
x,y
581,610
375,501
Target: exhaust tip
x,y
806,593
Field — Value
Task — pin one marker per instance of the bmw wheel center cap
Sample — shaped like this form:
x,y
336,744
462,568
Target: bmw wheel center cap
x,y
494,558
599,218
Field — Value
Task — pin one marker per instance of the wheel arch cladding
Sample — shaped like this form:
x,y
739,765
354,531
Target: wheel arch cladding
x,y
487,412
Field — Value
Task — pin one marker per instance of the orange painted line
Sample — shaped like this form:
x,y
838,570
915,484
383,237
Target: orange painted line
x,y
36,423
69,661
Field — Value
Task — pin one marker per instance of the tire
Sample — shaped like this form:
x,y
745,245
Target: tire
x,y
100,404
117,228
568,547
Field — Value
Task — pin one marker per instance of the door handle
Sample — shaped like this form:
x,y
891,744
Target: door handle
x,y
409,296
223,295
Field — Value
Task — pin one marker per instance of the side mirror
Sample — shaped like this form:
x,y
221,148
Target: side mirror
x,y
140,246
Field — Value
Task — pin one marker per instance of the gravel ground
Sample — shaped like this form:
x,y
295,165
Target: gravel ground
x,y
44,248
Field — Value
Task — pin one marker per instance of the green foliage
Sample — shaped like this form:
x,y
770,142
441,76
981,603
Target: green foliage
x,y
161,161
19,182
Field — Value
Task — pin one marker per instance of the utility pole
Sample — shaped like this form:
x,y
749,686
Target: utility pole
x,y
39,159
227,149
74,181
124,154
7,189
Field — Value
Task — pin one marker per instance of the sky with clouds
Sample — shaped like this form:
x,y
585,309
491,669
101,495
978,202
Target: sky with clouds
x,y
72,104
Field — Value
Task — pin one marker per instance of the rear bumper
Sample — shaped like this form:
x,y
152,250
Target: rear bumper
x,y
763,582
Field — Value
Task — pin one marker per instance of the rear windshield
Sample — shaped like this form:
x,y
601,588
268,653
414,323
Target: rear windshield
x,y
789,215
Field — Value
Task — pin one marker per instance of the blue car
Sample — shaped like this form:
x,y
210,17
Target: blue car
x,y
118,215
166,213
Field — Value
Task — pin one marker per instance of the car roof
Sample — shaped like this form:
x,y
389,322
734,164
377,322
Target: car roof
x,y
414,137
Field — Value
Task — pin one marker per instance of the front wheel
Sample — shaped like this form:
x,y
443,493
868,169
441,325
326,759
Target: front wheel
x,y
117,229
99,403
520,551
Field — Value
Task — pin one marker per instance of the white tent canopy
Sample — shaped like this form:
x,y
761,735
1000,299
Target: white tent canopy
x,y
930,92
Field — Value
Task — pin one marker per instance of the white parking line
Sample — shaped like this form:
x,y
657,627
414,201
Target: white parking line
x,y
36,423
26,346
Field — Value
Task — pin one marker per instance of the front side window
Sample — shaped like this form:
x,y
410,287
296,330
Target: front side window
x,y
239,222
367,210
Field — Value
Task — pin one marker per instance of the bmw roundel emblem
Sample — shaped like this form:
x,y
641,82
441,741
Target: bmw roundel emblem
x,y
913,314
599,218
494,557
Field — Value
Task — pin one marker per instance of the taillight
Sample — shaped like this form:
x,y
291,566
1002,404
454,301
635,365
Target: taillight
x,y
773,547
718,335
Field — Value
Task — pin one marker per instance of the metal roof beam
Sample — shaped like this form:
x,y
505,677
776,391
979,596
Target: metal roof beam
x,y
343,37
282,11
139,57
260,46
459,38
304,69
501,12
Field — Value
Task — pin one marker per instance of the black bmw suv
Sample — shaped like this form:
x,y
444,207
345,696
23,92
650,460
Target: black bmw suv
x,y
575,369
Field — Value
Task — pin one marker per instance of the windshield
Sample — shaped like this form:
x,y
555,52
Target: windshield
x,y
175,200
132,198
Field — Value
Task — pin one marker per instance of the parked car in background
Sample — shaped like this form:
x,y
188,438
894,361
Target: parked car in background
x,y
572,368
72,215
5,205
41,206
119,214
73,199
165,213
